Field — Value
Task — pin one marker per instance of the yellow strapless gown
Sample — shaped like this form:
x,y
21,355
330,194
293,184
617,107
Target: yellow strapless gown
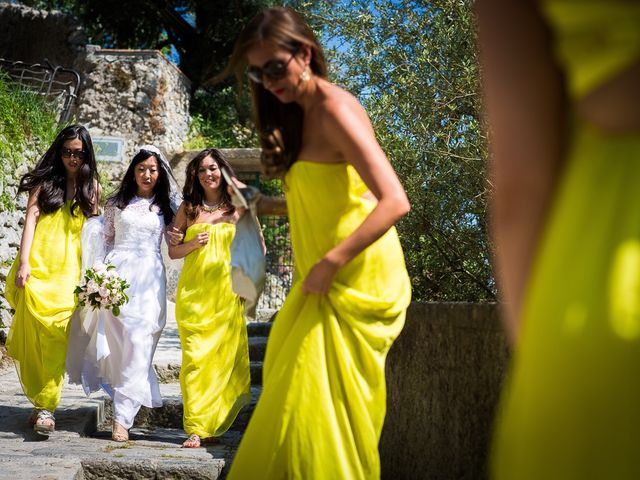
x,y
214,377
37,339
324,395
572,406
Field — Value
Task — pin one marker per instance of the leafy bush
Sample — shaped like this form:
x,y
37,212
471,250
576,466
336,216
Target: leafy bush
x,y
27,126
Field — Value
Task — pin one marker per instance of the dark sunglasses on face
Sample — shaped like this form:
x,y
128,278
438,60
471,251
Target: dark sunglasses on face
x,y
67,153
274,69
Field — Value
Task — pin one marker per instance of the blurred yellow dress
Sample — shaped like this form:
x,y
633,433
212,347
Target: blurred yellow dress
x,y
572,406
37,339
214,377
323,403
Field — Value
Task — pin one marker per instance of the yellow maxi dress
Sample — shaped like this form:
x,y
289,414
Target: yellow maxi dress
x,y
572,406
323,403
214,377
37,339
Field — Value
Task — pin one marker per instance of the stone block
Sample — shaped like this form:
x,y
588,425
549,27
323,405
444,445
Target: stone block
x,y
444,376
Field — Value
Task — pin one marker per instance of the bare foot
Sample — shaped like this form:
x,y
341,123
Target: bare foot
x,y
119,433
192,442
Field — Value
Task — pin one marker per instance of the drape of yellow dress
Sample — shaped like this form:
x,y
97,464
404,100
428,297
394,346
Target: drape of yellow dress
x,y
572,406
37,340
323,403
214,377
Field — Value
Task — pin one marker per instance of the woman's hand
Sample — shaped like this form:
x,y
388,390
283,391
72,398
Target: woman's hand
x,y
200,240
320,277
175,235
23,274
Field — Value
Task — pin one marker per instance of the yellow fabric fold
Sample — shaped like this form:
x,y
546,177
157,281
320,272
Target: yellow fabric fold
x,y
323,403
37,340
594,39
571,407
214,377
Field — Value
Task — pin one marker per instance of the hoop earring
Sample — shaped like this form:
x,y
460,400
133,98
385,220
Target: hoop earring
x,y
305,76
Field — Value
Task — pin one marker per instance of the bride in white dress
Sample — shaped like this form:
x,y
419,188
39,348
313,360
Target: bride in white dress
x,y
117,351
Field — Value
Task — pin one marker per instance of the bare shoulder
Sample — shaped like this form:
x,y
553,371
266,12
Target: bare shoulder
x,y
337,103
342,114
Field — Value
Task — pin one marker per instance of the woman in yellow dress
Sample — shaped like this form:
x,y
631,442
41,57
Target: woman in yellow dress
x,y
323,402
214,377
561,82
63,191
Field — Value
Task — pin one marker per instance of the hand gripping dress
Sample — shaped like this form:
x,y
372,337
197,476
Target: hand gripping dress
x,y
38,336
214,377
322,408
572,407
120,351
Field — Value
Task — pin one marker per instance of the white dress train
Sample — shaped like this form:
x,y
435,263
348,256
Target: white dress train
x,y
116,353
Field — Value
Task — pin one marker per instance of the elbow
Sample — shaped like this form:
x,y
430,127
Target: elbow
x,y
172,254
404,207
401,207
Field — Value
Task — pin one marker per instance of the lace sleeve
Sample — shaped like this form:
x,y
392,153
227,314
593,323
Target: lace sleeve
x,y
109,228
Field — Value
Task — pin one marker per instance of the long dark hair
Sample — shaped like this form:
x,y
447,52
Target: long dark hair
x,y
129,187
193,193
279,124
50,175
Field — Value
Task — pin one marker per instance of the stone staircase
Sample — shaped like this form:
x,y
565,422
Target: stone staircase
x,y
81,447
162,428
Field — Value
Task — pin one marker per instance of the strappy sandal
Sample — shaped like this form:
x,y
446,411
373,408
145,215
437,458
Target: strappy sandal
x,y
45,422
192,442
119,433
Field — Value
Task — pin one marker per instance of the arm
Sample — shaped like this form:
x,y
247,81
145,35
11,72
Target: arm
x,y
272,206
348,125
181,250
524,110
30,221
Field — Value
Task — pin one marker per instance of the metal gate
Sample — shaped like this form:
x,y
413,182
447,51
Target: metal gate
x,y
58,84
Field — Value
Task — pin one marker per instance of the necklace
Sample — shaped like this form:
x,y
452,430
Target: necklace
x,y
212,208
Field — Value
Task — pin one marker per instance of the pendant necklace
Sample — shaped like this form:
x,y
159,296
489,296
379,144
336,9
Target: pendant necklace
x,y
212,208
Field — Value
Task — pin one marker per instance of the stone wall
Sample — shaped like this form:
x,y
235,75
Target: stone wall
x,y
137,95
444,375
33,35
11,222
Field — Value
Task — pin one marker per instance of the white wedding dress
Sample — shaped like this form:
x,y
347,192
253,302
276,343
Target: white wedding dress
x,y
116,353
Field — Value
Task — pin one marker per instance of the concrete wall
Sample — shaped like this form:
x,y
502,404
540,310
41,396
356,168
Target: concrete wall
x,y
444,375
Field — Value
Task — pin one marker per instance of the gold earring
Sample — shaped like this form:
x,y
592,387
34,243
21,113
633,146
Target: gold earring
x,y
305,75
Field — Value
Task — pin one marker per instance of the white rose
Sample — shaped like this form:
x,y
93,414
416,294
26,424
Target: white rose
x,y
92,286
99,267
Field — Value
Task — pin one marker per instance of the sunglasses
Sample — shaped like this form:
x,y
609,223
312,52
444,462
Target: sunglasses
x,y
67,153
273,69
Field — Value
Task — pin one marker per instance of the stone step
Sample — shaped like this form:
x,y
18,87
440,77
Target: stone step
x,y
258,329
257,348
169,416
256,373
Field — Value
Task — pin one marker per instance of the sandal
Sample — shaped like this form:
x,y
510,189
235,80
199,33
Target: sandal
x,y
44,423
192,442
119,433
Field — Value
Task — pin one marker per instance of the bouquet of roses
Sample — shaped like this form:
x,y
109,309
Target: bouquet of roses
x,y
102,287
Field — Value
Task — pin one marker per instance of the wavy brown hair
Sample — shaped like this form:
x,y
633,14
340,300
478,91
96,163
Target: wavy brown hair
x,y
193,193
279,124
50,175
